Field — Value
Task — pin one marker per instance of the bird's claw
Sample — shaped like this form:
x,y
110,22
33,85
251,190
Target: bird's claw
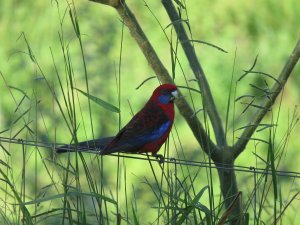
x,y
160,158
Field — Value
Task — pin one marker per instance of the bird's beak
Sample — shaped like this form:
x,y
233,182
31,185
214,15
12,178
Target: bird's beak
x,y
174,95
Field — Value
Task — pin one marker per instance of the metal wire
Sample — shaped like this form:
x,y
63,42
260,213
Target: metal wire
x,y
138,156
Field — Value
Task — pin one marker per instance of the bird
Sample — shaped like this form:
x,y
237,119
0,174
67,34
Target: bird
x,y
146,132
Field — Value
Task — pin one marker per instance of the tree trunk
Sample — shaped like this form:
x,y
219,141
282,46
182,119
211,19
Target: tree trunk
x,y
230,193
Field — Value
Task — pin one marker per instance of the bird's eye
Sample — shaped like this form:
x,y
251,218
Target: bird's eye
x,y
164,92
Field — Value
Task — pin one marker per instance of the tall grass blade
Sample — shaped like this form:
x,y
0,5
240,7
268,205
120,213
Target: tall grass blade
x,y
100,102
193,204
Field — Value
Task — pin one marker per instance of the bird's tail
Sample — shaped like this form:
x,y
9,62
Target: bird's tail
x,y
92,145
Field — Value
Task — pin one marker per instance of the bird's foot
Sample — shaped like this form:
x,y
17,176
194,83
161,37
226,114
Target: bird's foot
x,y
159,157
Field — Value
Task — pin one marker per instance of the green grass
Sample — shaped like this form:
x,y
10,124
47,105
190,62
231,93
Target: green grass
x,y
68,71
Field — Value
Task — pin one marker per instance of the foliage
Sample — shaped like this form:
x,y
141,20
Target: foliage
x,y
44,57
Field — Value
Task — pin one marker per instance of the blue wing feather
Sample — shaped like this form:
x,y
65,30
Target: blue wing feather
x,y
155,134
146,126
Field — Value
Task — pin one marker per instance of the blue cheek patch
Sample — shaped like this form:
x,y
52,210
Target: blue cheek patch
x,y
164,99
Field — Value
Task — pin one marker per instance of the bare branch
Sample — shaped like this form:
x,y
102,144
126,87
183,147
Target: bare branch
x,y
163,75
198,72
266,106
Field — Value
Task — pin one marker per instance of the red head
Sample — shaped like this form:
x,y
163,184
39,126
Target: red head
x,y
164,96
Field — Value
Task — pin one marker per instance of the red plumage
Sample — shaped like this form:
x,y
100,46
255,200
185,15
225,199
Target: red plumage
x,y
147,130
150,127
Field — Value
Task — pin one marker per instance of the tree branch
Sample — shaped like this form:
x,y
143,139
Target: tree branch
x,y
163,75
266,106
198,72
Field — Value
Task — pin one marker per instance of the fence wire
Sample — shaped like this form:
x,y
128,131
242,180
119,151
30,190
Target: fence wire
x,y
169,160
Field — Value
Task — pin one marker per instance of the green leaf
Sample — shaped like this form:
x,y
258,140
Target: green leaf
x,y
194,203
135,219
99,101
19,90
4,164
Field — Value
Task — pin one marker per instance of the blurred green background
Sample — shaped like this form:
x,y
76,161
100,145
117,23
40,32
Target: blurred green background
x,y
245,29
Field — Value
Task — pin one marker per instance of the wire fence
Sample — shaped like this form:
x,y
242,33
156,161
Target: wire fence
x,y
168,160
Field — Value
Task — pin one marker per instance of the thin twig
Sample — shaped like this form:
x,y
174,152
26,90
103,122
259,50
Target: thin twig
x,y
198,72
163,75
266,106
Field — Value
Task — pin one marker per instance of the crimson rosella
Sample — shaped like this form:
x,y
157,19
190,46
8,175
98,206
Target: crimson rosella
x,y
144,133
